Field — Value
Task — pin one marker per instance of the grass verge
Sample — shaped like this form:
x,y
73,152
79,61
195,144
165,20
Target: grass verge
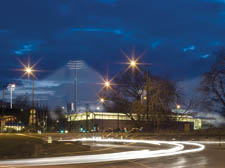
x,y
17,146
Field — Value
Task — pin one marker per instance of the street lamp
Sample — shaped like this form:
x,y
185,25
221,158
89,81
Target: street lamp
x,y
102,100
178,106
107,84
29,71
133,63
11,88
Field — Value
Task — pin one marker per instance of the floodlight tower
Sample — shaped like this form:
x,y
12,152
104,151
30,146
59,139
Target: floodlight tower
x,y
11,88
75,65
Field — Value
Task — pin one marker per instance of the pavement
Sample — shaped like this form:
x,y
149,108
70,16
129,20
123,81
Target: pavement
x,y
212,157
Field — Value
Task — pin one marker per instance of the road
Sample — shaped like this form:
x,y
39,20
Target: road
x,y
213,156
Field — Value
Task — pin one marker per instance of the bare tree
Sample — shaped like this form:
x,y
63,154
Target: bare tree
x,y
129,96
213,85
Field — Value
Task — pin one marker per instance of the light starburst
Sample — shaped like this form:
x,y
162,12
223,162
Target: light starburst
x,y
106,83
133,61
28,69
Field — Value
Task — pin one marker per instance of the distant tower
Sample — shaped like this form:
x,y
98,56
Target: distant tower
x,y
75,65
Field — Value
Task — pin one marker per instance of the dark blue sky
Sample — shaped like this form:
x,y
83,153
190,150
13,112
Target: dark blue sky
x,y
178,36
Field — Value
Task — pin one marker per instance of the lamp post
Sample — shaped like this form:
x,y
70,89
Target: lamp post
x,y
133,63
29,71
11,88
106,85
102,100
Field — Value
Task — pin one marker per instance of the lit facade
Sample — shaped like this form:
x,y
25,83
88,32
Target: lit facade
x,y
105,120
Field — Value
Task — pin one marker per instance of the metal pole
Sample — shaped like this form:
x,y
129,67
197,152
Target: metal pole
x,y
11,90
3,100
102,122
33,92
46,122
86,121
75,94
70,122
33,101
118,121
118,116
3,97
75,65
147,73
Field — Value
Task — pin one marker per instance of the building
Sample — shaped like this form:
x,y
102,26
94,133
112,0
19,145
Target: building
x,y
8,121
98,121
5,119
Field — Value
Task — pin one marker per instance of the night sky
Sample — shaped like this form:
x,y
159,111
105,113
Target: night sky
x,y
177,36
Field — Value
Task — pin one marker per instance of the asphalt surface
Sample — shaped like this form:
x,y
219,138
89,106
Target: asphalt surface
x,y
212,157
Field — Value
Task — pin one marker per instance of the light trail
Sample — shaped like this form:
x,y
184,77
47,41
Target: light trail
x,y
209,142
178,148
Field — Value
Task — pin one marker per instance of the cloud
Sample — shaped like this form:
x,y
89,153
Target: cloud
x,y
27,48
115,31
128,36
40,83
38,92
205,56
190,48
126,23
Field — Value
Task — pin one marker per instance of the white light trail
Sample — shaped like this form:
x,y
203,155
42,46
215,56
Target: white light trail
x,y
178,148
